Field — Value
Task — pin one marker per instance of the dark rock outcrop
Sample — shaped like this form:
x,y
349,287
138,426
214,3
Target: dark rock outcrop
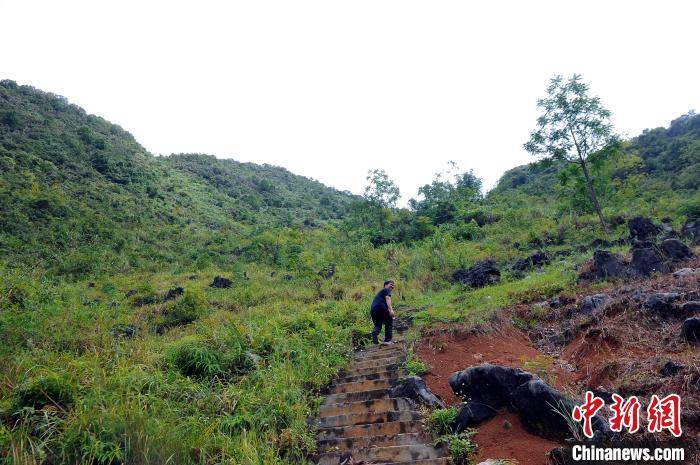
x,y
642,228
671,368
691,230
221,283
173,293
675,250
535,260
690,308
606,265
472,414
646,261
594,304
481,274
691,331
667,227
492,385
414,388
543,410
123,331
662,304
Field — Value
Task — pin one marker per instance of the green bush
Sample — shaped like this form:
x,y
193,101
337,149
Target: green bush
x,y
50,389
461,446
203,359
143,295
184,311
414,366
440,421
691,207
192,357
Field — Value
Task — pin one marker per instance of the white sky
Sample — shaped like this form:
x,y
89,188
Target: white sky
x,y
331,89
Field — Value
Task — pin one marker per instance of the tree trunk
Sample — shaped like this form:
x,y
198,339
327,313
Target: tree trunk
x,y
591,191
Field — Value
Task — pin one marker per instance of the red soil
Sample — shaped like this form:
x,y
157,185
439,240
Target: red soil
x,y
448,352
508,347
498,442
620,351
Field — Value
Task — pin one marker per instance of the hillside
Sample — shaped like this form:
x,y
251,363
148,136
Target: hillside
x,y
78,194
668,158
190,310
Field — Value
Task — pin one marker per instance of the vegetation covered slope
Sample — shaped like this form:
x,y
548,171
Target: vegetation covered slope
x,y
117,349
78,194
669,158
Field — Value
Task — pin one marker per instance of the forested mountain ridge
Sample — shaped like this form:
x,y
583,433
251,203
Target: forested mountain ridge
x,y
667,158
77,190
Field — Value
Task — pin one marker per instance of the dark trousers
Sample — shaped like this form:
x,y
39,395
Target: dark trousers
x,y
380,318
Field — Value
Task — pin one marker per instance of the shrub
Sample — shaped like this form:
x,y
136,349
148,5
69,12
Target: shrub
x,y
45,390
192,357
415,367
185,311
461,446
302,322
204,359
441,420
143,295
691,207
460,443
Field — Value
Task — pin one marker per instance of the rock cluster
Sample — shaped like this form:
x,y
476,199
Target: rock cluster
x,y
221,283
648,257
487,388
414,388
481,274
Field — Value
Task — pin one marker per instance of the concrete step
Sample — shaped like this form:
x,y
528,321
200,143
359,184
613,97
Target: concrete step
x,y
355,371
374,429
365,418
403,453
361,386
378,363
370,406
352,444
388,374
359,356
355,396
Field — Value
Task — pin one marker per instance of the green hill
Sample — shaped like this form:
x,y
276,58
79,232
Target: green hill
x,y
78,194
668,158
117,347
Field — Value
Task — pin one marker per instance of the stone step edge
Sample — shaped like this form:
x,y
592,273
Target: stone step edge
x,y
439,450
358,402
377,439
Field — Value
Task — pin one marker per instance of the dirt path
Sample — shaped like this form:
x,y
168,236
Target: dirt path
x,y
359,417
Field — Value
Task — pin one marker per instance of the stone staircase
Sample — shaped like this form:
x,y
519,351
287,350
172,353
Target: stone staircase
x,y
360,418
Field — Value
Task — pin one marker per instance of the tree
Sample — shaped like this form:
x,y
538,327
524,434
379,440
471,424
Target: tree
x,y
573,125
381,190
449,193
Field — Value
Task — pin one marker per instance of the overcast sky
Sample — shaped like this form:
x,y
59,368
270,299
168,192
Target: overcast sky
x,y
331,89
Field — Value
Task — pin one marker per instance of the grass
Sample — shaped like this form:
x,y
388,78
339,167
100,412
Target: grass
x,y
473,307
216,375
236,384
112,372
460,443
